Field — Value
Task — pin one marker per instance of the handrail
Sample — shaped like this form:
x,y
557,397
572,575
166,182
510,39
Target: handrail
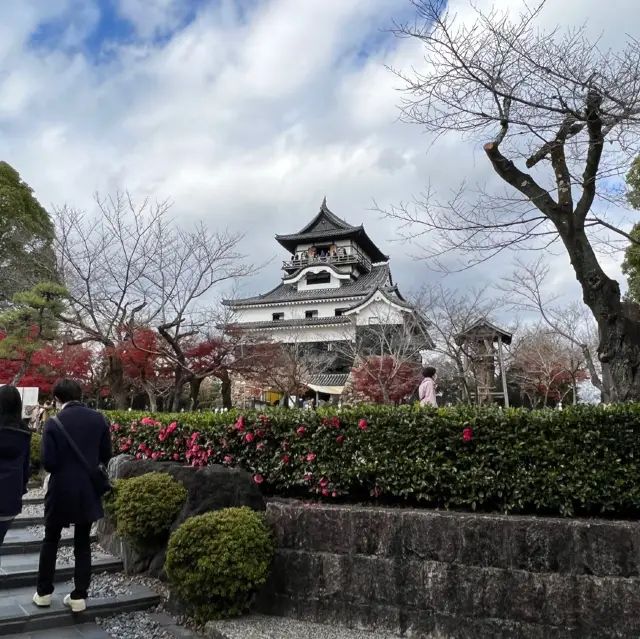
x,y
353,257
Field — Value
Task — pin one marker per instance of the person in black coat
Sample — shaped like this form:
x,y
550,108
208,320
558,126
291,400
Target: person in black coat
x,y
15,454
71,497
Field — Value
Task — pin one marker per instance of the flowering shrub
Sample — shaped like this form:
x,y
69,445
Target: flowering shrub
x,y
215,561
146,506
581,460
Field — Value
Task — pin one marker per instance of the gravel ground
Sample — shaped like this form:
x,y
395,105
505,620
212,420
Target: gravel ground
x,y
257,627
35,493
134,625
65,555
33,511
107,585
38,531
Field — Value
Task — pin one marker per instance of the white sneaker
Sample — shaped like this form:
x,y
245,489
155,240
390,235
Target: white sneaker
x,y
42,602
76,605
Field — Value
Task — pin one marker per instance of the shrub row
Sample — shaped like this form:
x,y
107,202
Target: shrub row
x,y
579,461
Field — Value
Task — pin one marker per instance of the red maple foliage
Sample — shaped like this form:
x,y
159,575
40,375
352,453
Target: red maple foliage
x,y
384,380
49,364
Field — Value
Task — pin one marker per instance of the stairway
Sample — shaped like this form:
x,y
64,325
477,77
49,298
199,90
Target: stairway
x,y
19,617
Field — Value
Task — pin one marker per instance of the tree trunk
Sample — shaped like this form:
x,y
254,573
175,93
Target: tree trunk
x,y
115,380
180,381
194,393
225,391
151,394
23,370
618,321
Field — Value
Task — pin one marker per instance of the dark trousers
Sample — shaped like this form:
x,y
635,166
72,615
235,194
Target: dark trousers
x,y
4,528
49,555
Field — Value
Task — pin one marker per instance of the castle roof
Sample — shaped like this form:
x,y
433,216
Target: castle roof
x,y
358,289
327,226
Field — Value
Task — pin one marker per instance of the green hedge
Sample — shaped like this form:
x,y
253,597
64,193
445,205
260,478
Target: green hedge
x,y
579,461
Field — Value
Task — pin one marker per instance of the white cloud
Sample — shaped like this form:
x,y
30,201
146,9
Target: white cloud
x,y
245,119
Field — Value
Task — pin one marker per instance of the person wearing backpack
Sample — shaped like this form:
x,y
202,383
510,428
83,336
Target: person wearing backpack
x,y
75,444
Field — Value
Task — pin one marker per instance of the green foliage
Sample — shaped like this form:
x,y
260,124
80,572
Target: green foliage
x,y
26,236
31,322
146,506
109,500
36,463
631,263
215,561
582,460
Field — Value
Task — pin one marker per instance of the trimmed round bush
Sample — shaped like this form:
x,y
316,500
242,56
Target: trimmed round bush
x,y
216,561
35,460
146,506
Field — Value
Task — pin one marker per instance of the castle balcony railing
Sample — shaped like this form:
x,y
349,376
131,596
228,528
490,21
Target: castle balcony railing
x,y
341,256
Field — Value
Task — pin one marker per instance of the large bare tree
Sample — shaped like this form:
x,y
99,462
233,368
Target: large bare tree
x,y
546,365
544,104
130,266
528,289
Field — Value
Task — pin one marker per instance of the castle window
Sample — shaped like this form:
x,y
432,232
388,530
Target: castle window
x,y
324,277
310,314
276,317
340,311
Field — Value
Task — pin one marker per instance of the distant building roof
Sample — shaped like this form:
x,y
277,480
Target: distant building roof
x,y
329,379
327,226
482,328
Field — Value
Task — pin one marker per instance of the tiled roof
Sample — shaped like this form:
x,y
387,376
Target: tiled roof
x,y
360,287
330,233
293,323
326,220
328,225
329,379
487,325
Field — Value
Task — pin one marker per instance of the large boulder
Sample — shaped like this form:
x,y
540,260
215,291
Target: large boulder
x,y
208,488
113,469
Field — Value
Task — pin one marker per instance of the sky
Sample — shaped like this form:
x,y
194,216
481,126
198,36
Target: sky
x,y
245,113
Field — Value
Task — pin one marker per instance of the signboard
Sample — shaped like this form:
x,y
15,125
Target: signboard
x,y
29,399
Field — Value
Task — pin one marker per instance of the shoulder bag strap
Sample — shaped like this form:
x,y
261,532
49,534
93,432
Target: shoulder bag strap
x,y
73,445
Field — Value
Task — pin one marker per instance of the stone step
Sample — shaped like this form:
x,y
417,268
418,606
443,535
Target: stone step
x,y
19,615
21,570
260,627
33,501
21,540
34,484
22,521
84,631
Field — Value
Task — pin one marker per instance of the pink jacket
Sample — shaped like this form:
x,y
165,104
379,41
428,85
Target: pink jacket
x,y
427,392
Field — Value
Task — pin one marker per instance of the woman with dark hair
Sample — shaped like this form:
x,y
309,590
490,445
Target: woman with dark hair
x,y
15,452
427,390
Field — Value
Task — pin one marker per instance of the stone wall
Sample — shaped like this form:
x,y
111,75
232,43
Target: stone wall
x,y
428,574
